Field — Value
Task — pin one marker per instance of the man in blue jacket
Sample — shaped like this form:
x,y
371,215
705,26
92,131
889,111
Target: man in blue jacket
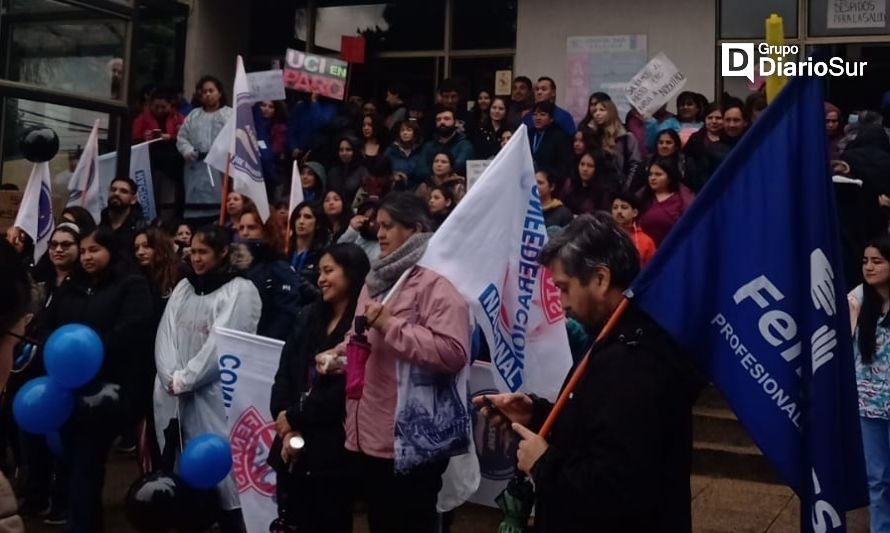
x,y
545,91
304,120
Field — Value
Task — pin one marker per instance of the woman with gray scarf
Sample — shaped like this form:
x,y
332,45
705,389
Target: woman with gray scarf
x,y
408,418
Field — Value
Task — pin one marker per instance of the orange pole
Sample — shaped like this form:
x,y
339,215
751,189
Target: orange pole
x,y
225,187
581,369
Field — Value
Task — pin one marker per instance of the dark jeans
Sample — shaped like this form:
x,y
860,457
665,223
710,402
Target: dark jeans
x,y
47,476
86,448
316,503
400,503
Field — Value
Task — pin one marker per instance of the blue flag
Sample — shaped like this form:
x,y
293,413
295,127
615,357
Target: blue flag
x,y
750,283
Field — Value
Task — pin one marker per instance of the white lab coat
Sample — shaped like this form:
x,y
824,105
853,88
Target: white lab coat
x,y
185,353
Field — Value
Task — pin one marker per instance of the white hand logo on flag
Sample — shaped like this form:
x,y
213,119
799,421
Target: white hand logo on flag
x,y
823,342
822,282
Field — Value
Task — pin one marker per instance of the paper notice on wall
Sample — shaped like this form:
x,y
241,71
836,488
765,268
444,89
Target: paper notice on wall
x,y
601,63
655,85
475,168
503,82
856,13
266,85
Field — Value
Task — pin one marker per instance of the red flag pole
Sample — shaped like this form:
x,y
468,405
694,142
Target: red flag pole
x,y
225,188
581,369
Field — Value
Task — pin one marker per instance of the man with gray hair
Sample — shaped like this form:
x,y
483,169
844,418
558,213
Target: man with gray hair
x,y
618,457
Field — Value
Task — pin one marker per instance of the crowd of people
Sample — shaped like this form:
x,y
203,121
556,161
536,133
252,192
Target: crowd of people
x,y
377,181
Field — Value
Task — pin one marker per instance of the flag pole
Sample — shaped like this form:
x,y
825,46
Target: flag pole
x,y
225,187
582,369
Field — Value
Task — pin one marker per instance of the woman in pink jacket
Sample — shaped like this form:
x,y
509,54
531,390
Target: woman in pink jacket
x,y
408,417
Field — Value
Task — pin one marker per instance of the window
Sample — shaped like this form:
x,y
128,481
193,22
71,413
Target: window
x,y
484,24
83,57
745,19
72,125
847,17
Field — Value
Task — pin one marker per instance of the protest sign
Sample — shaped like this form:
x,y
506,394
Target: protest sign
x,y
655,85
312,73
266,85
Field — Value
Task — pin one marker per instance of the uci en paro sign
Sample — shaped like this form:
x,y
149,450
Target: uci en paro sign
x,y
737,59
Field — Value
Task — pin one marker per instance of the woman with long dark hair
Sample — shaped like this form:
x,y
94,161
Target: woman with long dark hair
x,y
347,172
309,237
375,139
195,137
591,187
663,200
869,307
270,120
187,385
492,124
419,344
314,484
115,301
337,213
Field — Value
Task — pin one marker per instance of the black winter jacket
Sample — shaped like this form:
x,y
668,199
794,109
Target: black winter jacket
x,y
119,307
620,453
317,409
277,283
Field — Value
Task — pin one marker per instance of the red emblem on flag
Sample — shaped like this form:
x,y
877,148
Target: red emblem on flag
x,y
251,439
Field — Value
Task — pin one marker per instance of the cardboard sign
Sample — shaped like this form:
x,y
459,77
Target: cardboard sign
x,y
266,85
856,14
312,73
655,85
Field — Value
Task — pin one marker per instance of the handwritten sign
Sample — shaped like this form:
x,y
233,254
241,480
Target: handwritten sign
x,y
312,73
655,85
857,13
266,85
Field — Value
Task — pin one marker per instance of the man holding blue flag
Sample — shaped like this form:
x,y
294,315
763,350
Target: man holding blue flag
x,y
618,457
771,326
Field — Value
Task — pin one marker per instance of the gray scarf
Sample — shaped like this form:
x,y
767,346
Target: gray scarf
x,y
386,271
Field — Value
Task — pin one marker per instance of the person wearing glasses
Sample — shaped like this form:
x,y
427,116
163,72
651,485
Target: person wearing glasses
x,y
15,293
47,478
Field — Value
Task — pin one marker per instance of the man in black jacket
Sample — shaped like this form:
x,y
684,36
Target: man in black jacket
x,y
124,214
618,456
551,147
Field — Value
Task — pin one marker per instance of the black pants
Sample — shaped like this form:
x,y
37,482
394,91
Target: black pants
x,y
87,446
47,476
400,503
316,503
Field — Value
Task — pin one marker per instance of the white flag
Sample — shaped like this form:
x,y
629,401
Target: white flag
x,y
247,366
140,173
35,216
83,188
218,154
246,169
499,229
296,190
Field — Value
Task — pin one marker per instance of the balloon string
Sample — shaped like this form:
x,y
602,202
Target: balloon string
x,y
179,425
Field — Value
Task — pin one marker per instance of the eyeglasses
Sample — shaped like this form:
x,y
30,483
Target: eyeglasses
x,y
24,352
64,245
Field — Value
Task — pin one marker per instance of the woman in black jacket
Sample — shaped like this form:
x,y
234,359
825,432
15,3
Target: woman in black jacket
x,y
116,302
313,482
310,235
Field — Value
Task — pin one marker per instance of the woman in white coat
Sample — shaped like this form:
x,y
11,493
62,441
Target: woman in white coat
x,y
201,126
188,385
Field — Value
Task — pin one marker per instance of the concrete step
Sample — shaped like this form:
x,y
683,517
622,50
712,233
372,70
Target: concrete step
x,y
722,446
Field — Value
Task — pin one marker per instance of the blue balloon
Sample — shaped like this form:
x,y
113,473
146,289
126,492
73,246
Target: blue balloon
x,y
73,355
54,443
42,405
206,461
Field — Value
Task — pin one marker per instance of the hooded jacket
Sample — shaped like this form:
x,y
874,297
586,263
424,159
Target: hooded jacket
x,y
619,455
277,283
